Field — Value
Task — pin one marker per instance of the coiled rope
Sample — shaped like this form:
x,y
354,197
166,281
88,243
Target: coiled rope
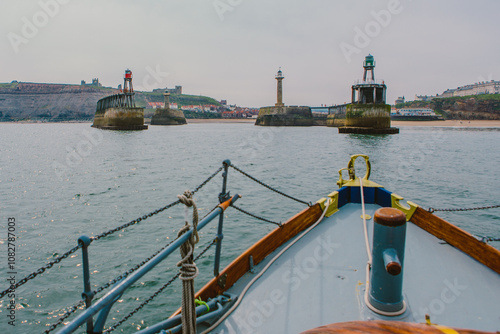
x,y
188,270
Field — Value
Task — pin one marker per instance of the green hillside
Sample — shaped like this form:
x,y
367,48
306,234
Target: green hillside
x,y
485,107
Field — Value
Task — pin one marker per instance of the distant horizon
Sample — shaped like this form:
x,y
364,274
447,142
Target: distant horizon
x,y
219,100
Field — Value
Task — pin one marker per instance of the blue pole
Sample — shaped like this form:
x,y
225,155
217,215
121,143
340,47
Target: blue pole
x,y
87,291
386,275
220,235
121,286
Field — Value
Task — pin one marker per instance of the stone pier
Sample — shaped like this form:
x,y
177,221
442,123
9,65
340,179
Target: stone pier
x,y
167,116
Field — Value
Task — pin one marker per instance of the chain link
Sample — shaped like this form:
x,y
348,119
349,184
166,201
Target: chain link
x,y
102,235
40,270
105,286
71,310
131,270
269,187
122,276
207,180
153,296
255,216
135,221
431,209
488,239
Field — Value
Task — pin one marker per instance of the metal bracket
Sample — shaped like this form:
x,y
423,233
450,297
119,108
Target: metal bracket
x,y
252,267
224,197
221,281
333,207
408,211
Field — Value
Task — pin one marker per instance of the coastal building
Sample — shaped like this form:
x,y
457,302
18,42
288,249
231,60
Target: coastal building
x,y
425,98
95,83
173,91
414,114
400,100
478,88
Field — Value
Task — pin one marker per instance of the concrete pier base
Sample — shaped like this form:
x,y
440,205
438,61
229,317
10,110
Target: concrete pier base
x,y
369,118
168,117
120,119
285,116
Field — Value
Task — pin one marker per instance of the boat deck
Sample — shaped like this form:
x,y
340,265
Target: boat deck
x,y
321,279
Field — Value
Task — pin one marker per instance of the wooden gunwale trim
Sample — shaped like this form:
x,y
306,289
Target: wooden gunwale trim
x,y
458,238
386,327
265,246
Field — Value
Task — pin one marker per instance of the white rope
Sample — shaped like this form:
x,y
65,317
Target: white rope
x,y
188,270
242,294
367,241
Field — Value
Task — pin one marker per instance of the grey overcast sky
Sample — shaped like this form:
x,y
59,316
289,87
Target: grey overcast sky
x,y
232,49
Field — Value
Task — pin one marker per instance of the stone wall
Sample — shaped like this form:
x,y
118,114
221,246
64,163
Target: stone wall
x,y
120,119
377,116
336,120
285,116
168,117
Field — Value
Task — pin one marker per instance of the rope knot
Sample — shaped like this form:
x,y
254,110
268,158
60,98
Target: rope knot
x,y
186,198
188,270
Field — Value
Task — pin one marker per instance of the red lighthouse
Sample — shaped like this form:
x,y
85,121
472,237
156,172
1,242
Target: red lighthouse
x,y
127,82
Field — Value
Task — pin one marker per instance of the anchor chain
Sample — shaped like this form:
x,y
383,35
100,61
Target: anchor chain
x,y
431,209
255,216
269,187
102,235
153,296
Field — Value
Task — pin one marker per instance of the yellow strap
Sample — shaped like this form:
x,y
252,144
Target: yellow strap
x,y
446,330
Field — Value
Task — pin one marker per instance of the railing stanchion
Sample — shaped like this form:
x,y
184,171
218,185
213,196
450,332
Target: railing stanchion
x,y
223,196
87,294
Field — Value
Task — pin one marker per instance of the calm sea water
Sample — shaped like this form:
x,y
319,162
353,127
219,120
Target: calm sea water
x,y
61,181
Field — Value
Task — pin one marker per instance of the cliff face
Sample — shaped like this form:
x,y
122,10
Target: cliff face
x,y
49,101
59,102
484,107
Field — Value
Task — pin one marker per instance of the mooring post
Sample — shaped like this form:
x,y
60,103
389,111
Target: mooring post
x,y
87,294
386,275
223,196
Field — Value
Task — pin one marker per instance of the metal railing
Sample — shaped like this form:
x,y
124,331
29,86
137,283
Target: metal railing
x,y
104,304
120,284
